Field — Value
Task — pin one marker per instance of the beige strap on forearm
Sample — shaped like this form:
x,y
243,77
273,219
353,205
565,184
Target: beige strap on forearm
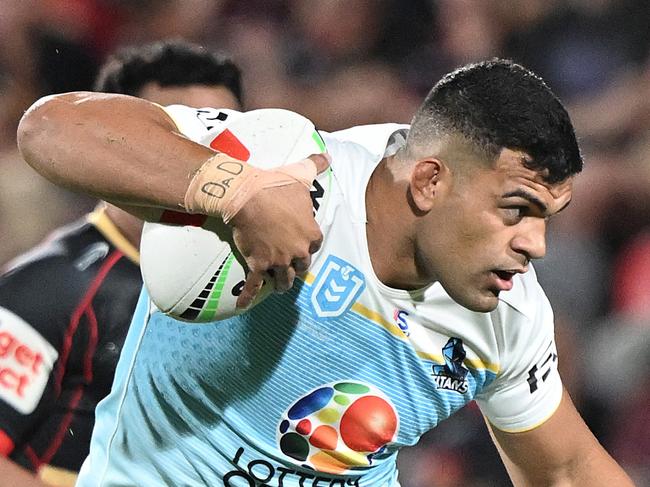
x,y
223,185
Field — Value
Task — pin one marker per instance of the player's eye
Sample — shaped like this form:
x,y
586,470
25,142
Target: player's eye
x,y
513,214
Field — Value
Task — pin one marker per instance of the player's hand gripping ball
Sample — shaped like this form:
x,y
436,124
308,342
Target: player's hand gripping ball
x,y
191,271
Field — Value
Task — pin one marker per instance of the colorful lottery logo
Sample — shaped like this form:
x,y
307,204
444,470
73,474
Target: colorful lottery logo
x,y
338,426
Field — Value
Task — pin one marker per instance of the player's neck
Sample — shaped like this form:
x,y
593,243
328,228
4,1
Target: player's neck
x,y
389,220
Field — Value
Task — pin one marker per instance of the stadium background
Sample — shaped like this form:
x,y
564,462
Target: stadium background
x,y
346,62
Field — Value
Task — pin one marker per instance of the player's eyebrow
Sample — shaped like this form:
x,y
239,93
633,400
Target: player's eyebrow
x,y
533,199
520,193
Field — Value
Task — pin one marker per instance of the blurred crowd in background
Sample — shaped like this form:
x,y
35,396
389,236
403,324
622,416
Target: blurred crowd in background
x,y
347,62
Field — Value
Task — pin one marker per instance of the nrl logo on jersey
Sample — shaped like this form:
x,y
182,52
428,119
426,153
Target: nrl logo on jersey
x,y
452,376
336,288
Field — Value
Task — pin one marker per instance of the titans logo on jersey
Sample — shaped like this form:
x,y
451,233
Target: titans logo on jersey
x,y
451,375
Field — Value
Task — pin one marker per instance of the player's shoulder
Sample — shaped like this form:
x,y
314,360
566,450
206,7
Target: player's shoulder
x,y
360,143
355,153
46,283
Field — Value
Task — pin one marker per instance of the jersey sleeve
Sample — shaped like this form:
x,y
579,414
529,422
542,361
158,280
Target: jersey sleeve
x,y
528,388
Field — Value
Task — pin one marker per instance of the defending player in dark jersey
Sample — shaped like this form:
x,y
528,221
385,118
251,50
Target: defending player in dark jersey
x,y
66,305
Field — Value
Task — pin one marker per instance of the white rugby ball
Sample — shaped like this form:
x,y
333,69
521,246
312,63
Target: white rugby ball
x,y
190,270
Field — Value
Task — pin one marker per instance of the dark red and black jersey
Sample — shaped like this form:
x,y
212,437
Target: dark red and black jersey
x,y
65,308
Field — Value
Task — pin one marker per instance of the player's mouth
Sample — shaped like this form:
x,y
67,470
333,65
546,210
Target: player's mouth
x,y
503,279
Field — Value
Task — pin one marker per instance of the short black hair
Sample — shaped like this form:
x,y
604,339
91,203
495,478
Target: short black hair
x,y
499,104
169,63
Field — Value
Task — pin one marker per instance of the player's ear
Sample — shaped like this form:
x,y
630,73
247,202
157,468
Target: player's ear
x,y
425,183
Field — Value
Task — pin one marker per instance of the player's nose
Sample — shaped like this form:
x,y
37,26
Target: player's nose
x,y
531,239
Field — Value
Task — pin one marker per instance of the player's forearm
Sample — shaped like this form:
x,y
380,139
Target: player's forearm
x,y
601,471
603,474
562,452
114,147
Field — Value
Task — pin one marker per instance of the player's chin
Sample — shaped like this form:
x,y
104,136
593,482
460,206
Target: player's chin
x,y
480,301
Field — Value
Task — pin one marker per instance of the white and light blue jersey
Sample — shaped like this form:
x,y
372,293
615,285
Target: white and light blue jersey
x,y
320,386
